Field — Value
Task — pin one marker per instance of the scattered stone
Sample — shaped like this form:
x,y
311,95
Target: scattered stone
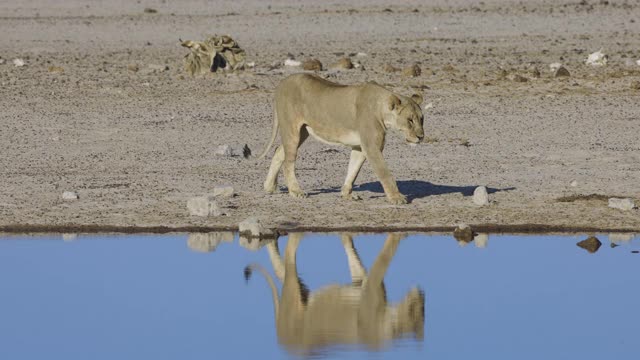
x,y
361,54
2,61
246,152
19,63
597,59
208,242
251,64
252,228
481,196
481,240
224,150
223,191
158,68
518,78
554,67
638,62
312,65
389,68
133,67
412,71
622,204
55,69
150,11
561,72
342,64
203,206
291,62
463,233
591,244
635,85
573,183
70,195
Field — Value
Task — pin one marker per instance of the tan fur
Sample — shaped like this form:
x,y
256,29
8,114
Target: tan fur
x,y
357,116
340,314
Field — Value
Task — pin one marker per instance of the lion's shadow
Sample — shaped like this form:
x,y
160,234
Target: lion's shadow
x,y
416,189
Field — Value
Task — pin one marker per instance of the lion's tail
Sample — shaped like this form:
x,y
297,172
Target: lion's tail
x,y
274,133
274,291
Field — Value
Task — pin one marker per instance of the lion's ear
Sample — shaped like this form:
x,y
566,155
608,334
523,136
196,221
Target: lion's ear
x,y
394,102
417,98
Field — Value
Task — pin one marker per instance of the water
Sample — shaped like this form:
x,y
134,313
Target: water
x,y
165,297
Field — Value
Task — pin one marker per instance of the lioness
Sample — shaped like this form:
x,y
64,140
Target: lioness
x,y
357,116
354,314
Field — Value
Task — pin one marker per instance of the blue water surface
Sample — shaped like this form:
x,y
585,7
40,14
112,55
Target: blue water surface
x,y
153,297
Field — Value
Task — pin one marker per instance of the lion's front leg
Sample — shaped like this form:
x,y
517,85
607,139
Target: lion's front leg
x,y
355,164
373,152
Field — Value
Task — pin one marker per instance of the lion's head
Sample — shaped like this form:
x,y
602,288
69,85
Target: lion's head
x,y
405,114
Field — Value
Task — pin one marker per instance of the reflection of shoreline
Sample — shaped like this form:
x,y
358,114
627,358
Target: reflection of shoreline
x,y
312,322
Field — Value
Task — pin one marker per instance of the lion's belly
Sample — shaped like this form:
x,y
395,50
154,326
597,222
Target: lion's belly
x,y
350,138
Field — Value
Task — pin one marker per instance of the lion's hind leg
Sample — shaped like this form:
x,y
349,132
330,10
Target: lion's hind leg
x,y
291,142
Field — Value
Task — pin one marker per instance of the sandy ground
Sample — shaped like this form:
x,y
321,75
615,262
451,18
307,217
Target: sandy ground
x,y
137,145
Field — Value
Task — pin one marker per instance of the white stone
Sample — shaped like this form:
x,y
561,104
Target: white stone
x,y
638,62
251,227
481,196
70,195
622,204
208,242
573,183
251,64
158,68
224,150
2,61
19,62
554,67
203,206
597,59
223,191
291,62
361,54
481,240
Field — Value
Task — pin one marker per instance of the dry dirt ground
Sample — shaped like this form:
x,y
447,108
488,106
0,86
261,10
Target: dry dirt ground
x,y
136,145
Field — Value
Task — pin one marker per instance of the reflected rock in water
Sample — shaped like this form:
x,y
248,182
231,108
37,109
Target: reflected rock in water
x,y
463,234
308,322
253,243
591,244
621,238
481,240
69,236
208,242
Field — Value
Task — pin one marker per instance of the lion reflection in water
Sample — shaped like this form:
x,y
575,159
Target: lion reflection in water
x,y
356,314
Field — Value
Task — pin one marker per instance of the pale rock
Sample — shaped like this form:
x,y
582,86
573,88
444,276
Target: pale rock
x,y
622,204
251,64
291,62
224,150
19,63
251,227
597,59
2,61
573,183
223,191
208,242
203,206
553,67
481,196
463,234
70,195
361,54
